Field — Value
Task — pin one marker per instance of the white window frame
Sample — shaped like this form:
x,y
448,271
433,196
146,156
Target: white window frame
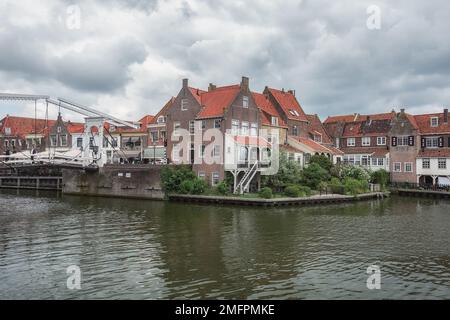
x,y
79,145
202,174
399,167
213,175
184,103
440,162
8,131
66,142
161,119
426,163
201,151
381,141
217,123
274,121
176,153
364,142
434,122
406,164
403,141
176,126
253,129
235,126
432,142
216,151
245,126
245,101
352,143
53,140
191,127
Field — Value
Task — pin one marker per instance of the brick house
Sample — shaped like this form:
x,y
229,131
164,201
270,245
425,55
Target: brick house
x,y
404,147
20,133
233,112
364,139
157,128
433,160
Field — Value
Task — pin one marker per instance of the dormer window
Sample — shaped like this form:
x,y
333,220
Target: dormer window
x,y
434,121
161,119
318,138
59,129
275,121
8,131
294,112
245,101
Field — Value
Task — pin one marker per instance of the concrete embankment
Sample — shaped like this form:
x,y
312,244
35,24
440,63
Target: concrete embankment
x,y
313,200
422,193
136,181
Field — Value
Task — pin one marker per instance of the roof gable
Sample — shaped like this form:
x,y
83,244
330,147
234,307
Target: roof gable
x,y
289,104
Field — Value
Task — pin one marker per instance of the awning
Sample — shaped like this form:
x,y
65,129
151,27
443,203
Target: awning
x,y
129,153
158,152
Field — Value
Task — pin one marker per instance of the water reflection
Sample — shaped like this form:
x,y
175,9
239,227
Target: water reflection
x,y
150,250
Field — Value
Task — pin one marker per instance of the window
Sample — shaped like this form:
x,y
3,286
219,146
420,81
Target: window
x,y
337,142
408,167
365,160
243,154
191,126
318,138
6,143
53,141
434,121
154,135
235,127
374,161
202,175
365,141
442,163
217,123
64,140
79,142
294,112
432,142
403,141
397,167
7,131
114,142
163,135
245,102
274,121
215,178
216,151
105,142
184,104
254,129
161,119
244,128
381,161
176,153
202,151
351,142
381,141
176,126
295,131
426,163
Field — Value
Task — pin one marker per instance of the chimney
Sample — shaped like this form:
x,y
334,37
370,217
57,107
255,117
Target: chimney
x,y
185,83
211,87
369,121
445,115
245,84
402,111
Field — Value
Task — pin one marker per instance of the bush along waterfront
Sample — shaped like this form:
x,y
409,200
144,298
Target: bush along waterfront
x,y
318,177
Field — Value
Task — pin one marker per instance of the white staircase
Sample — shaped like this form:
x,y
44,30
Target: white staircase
x,y
247,178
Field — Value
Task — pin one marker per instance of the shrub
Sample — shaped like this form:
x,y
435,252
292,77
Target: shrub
x,y
336,186
354,186
380,177
322,161
355,172
323,186
199,186
292,191
186,187
266,193
172,177
306,191
223,188
313,174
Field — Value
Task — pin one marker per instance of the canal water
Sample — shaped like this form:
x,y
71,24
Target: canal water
x,y
132,249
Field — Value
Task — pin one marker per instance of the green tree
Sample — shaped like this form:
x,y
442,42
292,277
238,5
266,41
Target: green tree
x,y
289,172
172,176
314,174
380,177
322,161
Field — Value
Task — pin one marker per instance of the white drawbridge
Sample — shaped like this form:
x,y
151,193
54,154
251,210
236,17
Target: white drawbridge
x,y
87,157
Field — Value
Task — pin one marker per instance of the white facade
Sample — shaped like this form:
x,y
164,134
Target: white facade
x,y
373,163
437,168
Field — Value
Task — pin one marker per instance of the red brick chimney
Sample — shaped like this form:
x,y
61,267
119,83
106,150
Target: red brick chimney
x,y
445,115
245,84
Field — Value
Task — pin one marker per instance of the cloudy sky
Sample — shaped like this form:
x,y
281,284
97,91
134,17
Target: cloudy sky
x,y
128,57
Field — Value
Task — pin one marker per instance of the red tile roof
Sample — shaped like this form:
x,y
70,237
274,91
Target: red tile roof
x,y
268,110
434,153
215,102
75,127
317,147
423,122
21,126
381,151
289,104
197,94
358,117
146,120
163,110
289,148
317,127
